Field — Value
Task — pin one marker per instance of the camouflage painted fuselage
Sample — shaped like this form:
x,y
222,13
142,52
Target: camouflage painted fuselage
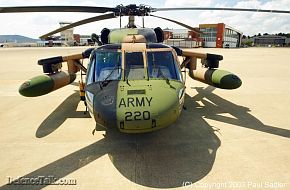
x,y
135,105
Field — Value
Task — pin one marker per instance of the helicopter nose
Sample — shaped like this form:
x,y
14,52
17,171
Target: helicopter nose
x,y
137,107
147,108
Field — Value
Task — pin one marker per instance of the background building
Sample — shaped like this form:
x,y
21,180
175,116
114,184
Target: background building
x,y
287,42
220,35
182,38
67,36
86,40
270,40
168,34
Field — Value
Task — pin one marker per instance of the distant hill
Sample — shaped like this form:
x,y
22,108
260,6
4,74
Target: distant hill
x,y
16,38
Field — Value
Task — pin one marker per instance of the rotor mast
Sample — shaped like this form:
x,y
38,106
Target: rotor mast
x,y
131,22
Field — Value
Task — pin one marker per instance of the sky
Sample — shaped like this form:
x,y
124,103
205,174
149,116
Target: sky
x,y
35,24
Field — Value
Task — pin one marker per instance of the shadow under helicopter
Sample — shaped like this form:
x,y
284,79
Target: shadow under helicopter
x,y
217,105
183,152
67,109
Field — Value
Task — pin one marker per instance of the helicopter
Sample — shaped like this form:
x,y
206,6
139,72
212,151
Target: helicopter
x,y
133,82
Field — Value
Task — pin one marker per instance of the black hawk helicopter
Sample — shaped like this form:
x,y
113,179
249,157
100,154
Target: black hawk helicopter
x,y
133,81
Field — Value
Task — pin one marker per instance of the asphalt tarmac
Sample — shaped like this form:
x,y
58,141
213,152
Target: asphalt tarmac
x,y
225,139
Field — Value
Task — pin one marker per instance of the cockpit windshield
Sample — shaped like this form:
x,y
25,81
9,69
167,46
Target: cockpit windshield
x,y
134,66
106,65
161,64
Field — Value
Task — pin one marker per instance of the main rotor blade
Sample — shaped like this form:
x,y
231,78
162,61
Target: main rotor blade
x,y
220,9
81,22
86,9
179,23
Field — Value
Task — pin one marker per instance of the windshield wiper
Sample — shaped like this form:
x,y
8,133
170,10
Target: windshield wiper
x,y
105,82
160,73
164,77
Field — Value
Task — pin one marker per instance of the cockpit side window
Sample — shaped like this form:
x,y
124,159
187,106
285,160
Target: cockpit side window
x,y
134,69
91,68
106,65
161,64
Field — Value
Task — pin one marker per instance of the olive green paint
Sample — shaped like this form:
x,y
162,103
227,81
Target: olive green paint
x,y
37,86
160,100
218,78
117,36
225,79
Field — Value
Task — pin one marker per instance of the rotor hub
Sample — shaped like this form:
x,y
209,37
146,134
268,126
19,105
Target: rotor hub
x,y
134,10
